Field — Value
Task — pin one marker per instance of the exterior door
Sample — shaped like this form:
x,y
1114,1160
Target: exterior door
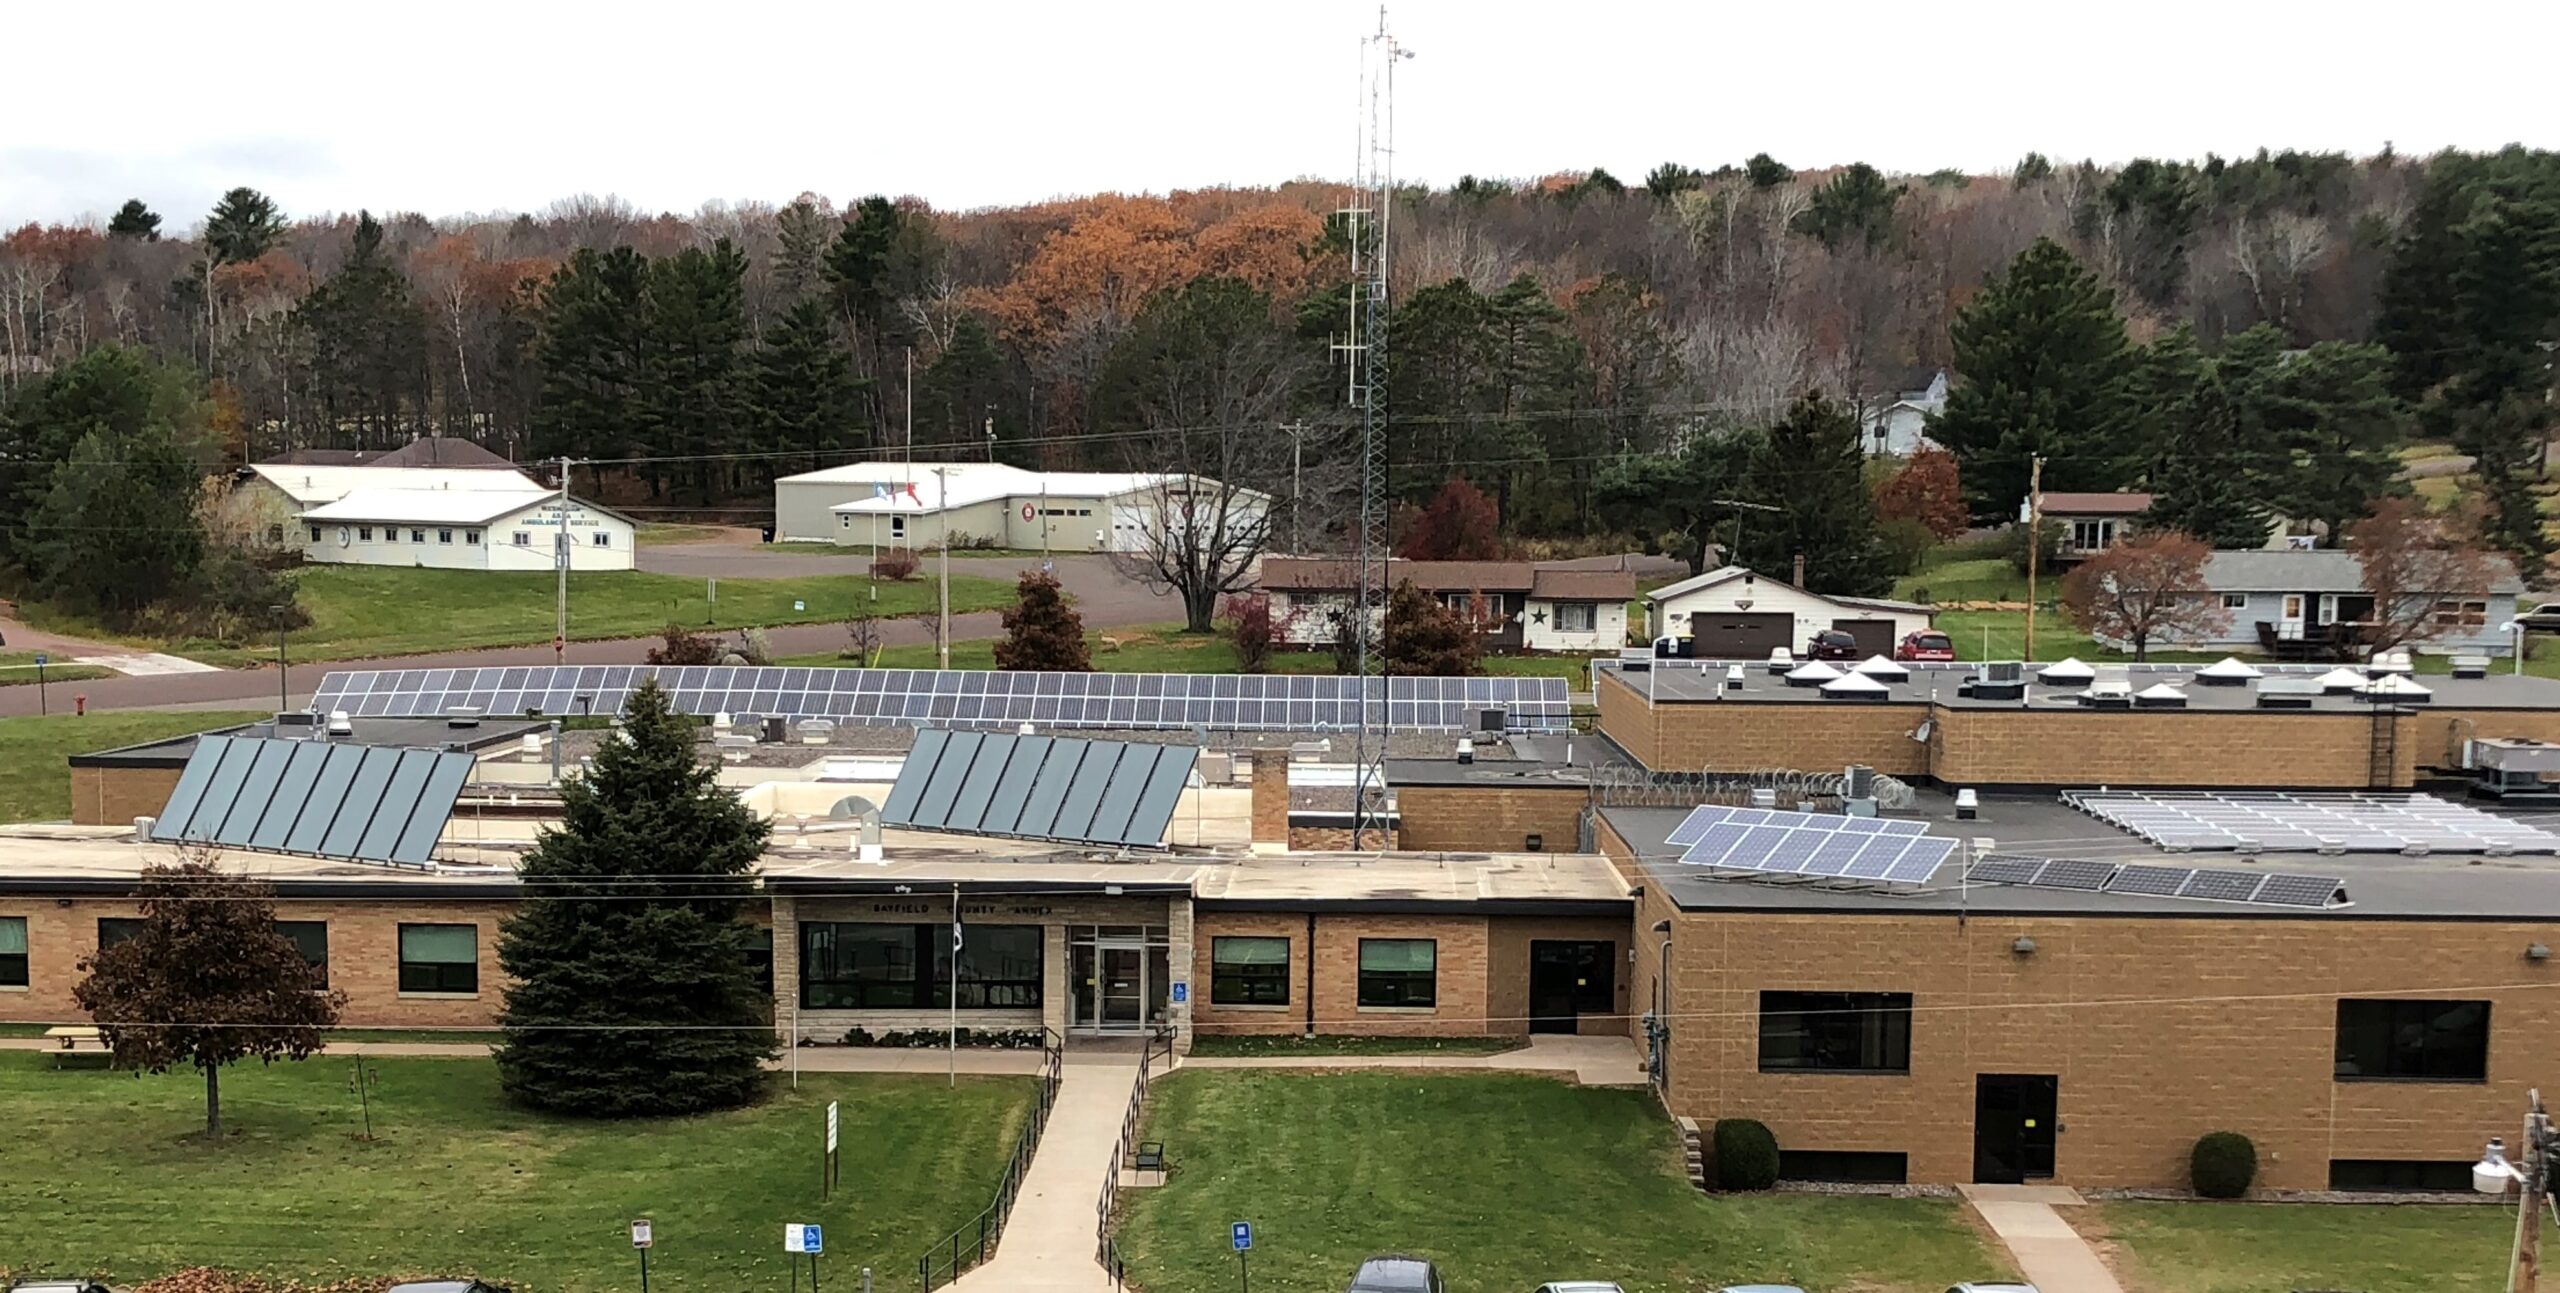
x,y
1568,980
2013,1127
1124,988
1874,637
2289,621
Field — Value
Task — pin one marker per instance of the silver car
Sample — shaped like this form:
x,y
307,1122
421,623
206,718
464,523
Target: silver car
x,y
1581,1286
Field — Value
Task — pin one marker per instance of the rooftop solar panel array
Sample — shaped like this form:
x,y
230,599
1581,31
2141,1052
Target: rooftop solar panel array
x,y
1067,788
961,697
1814,845
2265,889
2279,822
371,803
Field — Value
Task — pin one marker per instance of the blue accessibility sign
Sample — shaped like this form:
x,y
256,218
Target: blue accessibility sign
x,y
1242,1234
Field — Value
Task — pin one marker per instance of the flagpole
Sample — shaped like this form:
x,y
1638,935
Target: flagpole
x,y
952,1051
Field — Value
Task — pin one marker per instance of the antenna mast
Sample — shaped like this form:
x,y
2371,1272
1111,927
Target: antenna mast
x,y
1366,223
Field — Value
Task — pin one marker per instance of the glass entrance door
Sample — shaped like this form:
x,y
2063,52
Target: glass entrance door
x,y
1124,987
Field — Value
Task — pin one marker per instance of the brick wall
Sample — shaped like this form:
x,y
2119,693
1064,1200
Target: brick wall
x,y
1748,736
1212,1019
1459,1010
115,796
2159,1030
1493,819
1624,716
1337,839
1507,969
1058,916
1271,797
364,958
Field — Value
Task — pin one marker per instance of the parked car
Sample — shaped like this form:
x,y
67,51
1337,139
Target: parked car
x,y
1832,644
1991,1288
1927,645
2541,619
1581,1286
1759,1288
76,1285
1396,1274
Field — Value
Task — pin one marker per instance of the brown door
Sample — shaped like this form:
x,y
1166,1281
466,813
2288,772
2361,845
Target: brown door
x,y
1741,635
1874,637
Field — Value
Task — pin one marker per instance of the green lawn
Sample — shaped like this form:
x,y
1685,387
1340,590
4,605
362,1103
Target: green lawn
x,y
2252,1247
35,786
18,669
1165,648
1975,579
360,612
1294,1044
653,534
107,1177
1505,1181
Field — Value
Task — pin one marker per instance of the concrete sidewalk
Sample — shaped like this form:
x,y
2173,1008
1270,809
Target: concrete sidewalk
x,y
2051,1255
1590,1061
1049,1242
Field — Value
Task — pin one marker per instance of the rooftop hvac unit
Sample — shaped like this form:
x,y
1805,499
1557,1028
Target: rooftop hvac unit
x,y
298,718
1466,750
2471,666
2289,693
2109,688
1493,720
777,729
1861,782
2001,680
142,826
1763,797
340,724
462,720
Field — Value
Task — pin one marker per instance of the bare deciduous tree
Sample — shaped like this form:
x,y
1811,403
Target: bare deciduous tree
x,y
2422,571
2148,588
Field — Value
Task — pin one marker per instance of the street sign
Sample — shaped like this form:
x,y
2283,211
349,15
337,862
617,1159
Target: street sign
x,y
831,1126
41,658
1181,992
799,605
1241,1234
640,1237
802,1239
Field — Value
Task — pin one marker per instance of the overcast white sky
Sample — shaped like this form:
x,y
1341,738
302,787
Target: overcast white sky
x,y
464,106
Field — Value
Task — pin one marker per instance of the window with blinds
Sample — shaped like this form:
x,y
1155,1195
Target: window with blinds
x,y
1248,971
440,958
1401,973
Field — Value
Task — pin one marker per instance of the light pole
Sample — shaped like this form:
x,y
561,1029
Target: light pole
x,y
942,505
2493,1173
1658,1029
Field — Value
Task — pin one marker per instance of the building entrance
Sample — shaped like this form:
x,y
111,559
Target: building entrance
x,y
2013,1127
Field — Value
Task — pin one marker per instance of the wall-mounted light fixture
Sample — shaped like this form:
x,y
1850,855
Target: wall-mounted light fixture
x,y
2537,951
2025,946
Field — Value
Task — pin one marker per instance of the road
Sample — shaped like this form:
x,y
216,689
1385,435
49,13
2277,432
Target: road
x,y
1104,599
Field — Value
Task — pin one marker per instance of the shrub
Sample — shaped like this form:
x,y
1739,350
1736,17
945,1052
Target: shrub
x,y
754,647
1042,632
1906,544
1250,629
2223,1164
898,564
680,645
1746,1155
2049,545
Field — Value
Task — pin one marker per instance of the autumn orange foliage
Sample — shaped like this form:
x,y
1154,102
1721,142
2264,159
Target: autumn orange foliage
x,y
1120,251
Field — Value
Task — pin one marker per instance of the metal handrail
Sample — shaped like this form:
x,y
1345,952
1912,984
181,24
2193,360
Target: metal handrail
x,y
1106,1250
975,1241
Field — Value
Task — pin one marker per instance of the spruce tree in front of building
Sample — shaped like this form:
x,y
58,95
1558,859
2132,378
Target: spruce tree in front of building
x,y
631,992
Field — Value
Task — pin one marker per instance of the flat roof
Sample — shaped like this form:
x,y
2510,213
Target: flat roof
x,y
419,733
107,861
2380,886
1687,681
1508,773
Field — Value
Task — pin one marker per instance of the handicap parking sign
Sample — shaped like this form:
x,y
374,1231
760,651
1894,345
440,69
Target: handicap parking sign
x,y
802,1239
1243,1235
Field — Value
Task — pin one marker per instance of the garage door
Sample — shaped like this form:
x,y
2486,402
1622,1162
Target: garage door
x,y
1741,635
1875,637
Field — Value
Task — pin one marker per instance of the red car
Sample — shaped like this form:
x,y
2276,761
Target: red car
x,y
1927,646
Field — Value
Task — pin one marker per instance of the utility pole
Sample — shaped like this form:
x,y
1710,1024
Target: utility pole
x,y
942,504
283,692
991,437
560,558
908,452
2035,543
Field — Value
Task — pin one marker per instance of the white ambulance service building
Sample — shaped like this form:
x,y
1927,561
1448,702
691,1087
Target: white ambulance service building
x,y
467,530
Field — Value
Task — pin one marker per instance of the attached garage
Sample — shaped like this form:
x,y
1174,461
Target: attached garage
x,y
1741,634
1875,637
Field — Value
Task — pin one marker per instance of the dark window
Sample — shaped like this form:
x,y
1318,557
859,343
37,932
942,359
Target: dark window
x,y
116,929
13,951
1248,971
2398,1175
2413,1041
760,957
851,966
1835,1032
1399,972
315,534
440,958
311,938
1870,1166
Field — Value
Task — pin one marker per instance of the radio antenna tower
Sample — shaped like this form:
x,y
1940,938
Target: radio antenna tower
x,y
1366,221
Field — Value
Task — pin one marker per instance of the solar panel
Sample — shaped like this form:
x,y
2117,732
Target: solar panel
x,y
1814,844
2278,821
371,803
965,698
2003,870
1059,788
2286,890
2150,881
2222,886
2072,873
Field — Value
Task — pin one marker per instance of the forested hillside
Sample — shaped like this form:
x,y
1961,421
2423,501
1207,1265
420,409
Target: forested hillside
x,y
1595,354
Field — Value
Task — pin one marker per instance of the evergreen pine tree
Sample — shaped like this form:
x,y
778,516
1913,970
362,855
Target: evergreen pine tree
x,y
2331,411
587,347
1042,633
243,225
802,389
1814,468
963,386
117,530
631,993
134,220
2194,487
2043,363
366,339
688,384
